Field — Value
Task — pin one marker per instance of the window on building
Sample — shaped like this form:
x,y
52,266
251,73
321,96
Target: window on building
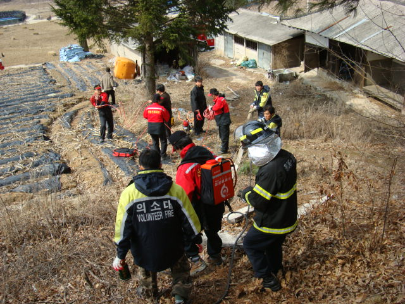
x,y
251,44
239,40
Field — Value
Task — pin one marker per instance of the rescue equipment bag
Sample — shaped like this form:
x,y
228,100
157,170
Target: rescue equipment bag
x,y
124,152
217,183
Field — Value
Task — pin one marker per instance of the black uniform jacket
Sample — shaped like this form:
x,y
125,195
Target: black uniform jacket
x,y
274,195
198,100
153,216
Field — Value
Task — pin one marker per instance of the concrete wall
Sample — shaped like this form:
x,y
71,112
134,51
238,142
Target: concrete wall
x,y
220,45
239,51
120,50
251,54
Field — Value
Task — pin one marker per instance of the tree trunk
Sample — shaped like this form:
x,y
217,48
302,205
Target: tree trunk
x,y
83,44
150,78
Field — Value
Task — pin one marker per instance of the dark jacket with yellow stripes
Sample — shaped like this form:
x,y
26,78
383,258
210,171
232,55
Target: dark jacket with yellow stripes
x,y
274,195
153,215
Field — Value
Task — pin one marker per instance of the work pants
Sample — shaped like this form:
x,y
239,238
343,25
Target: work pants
x,y
168,126
181,280
106,118
264,251
112,94
198,124
163,141
224,136
210,217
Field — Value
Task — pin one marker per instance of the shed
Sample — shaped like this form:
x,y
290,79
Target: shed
x,y
366,46
261,37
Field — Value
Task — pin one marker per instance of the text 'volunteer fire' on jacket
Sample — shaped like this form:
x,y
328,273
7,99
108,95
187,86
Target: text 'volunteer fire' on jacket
x,y
274,195
148,214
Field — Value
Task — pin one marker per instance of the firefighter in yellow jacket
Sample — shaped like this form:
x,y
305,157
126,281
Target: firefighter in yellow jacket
x,y
154,217
262,98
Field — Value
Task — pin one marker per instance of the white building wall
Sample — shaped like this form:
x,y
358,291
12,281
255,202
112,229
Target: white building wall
x,y
120,50
251,54
220,45
239,51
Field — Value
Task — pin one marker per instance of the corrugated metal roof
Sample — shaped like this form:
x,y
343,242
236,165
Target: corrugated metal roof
x,y
259,27
378,26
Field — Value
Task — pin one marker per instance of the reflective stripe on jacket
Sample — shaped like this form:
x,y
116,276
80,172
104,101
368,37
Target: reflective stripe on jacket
x,y
153,217
274,195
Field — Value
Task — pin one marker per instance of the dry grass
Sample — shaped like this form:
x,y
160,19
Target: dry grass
x,y
57,248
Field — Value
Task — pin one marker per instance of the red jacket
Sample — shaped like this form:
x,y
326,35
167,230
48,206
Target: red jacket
x,y
100,100
221,111
156,115
188,176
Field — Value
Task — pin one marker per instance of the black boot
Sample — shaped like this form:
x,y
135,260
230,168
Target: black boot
x,y
271,282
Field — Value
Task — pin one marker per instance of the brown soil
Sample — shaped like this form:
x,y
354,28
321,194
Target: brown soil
x,y
58,248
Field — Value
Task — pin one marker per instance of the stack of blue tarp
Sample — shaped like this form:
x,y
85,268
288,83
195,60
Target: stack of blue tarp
x,y
72,53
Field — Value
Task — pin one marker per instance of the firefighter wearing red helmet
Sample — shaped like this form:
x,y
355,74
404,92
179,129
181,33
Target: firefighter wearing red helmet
x,y
274,198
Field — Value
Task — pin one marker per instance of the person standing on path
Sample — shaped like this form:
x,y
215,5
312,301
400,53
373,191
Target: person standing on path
x,y
166,102
108,85
198,105
274,198
157,117
222,118
188,176
154,216
99,100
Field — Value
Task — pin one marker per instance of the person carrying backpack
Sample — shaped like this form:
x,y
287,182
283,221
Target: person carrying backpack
x,y
262,98
188,176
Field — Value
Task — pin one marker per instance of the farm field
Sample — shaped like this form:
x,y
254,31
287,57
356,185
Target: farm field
x,y
59,187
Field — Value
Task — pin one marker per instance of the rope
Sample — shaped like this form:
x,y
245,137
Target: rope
x,y
121,111
137,112
209,114
139,137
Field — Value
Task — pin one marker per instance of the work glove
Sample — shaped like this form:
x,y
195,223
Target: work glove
x,y
242,193
118,264
197,239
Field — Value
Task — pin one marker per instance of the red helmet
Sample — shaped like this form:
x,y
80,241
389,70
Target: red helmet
x,y
185,123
